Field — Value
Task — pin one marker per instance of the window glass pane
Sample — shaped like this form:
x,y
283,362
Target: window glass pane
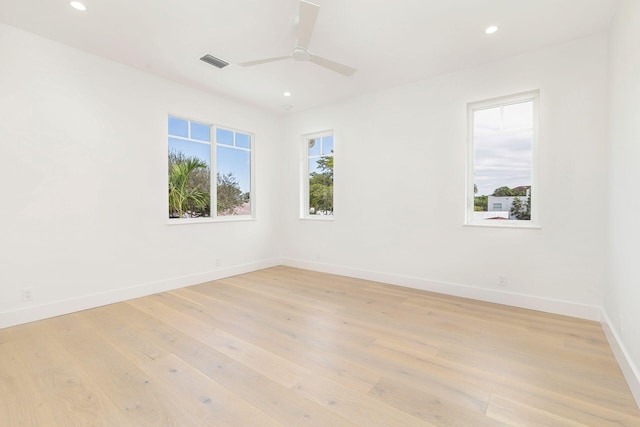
x,y
327,144
517,116
503,160
178,127
243,140
313,166
487,121
200,132
321,186
233,181
189,179
224,136
191,149
314,147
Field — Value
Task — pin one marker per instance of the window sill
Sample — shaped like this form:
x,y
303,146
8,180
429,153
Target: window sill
x,y
504,224
319,218
186,221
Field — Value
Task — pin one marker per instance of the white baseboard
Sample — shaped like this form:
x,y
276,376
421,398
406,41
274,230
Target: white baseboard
x,y
629,369
57,308
547,305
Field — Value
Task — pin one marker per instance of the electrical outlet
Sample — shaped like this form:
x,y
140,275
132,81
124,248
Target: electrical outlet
x,y
502,280
27,295
218,262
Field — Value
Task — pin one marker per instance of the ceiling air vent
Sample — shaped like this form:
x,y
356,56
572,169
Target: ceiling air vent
x,y
216,62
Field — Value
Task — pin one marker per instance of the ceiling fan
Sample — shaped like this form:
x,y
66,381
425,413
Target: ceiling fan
x,y
306,23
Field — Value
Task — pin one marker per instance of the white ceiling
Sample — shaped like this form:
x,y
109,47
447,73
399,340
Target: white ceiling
x,y
390,42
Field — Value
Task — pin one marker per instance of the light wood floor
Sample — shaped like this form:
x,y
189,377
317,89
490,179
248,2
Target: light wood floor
x,y
288,347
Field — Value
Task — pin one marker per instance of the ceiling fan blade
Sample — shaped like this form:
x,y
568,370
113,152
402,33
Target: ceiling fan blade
x,y
331,65
263,61
306,23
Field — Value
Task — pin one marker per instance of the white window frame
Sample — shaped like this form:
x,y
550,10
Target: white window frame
x,y
213,190
534,222
304,173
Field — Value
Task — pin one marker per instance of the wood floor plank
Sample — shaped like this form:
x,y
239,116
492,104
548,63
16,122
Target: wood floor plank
x,y
204,401
515,413
597,390
73,397
21,403
279,403
121,378
270,365
289,347
119,324
560,407
300,300
520,388
289,325
363,410
274,313
429,406
341,291
301,344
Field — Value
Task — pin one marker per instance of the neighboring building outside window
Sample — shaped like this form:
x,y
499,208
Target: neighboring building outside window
x,y
201,154
502,143
506,205
317,175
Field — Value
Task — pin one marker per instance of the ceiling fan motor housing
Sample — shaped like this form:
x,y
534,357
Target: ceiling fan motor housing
x,y
300,54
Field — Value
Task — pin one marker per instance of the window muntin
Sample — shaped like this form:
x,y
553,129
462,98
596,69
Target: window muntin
x,y
198,152
502,138
318,175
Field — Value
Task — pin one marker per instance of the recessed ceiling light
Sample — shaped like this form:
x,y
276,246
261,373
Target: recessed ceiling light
x,y
78,5
490,30
287,93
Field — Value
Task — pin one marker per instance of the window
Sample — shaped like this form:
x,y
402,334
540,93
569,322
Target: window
x,y
317,176
201,154
233,172
502,135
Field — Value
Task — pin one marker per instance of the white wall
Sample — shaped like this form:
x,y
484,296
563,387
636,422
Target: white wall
x,y
400,185
622,296
83,216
